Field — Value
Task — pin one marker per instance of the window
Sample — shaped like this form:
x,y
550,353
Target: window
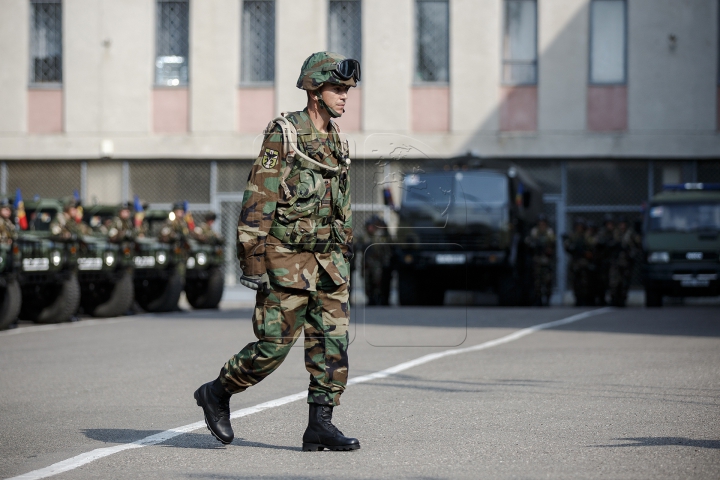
x,y
45,41
520,43
344,28
257,43
607,41
432,41
172,31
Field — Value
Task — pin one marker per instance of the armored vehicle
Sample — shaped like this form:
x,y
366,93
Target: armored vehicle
x,y
204,280
10,293
681,242
105,268
462,228
47,267
159,267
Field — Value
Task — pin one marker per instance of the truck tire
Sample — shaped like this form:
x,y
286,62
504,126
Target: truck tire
x,y
207,293
10,304
653,298
509,291
120,301
407,289
168,299
65,304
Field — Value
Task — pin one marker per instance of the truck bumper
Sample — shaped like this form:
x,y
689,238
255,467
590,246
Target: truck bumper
x,y
684,279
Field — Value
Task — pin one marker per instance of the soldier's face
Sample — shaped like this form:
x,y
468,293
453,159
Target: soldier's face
x,y
335,96
5,212
124,213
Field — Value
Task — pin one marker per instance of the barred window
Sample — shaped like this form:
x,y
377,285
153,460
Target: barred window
x,y
345,28
608,41
520,42
171,42
257,42
45,41
432,41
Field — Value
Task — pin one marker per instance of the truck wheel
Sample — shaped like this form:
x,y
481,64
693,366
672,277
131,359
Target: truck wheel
x,y
509,291
65,304
10,304
168,297
120,301
207,293
407,289
653,297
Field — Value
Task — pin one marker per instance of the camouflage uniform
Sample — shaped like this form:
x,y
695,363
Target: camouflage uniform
x,y
626,245
295,225
63,226
120,230
205,234
579,247
541,243
174,230
8,232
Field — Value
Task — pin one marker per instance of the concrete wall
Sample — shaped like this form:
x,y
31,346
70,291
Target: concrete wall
x,y
563,30
14,52
672,88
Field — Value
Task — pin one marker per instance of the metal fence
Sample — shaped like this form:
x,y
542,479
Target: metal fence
x,y
587,188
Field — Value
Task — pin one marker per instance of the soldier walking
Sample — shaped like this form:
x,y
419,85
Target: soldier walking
x,y
541,243
294,243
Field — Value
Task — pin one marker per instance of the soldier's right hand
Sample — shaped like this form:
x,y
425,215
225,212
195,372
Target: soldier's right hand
x,y
257,282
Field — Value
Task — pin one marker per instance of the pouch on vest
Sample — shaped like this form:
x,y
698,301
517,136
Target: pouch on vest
x,y
309,191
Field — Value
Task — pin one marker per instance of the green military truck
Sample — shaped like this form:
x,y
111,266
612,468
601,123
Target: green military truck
x,y
105,269
204,279
47,270
681,242
159,267
461,227
10,293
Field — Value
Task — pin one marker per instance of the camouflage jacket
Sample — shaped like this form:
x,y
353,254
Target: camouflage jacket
x,y
65,227
541,243
278,226
120,230
8,232
204,234
174,230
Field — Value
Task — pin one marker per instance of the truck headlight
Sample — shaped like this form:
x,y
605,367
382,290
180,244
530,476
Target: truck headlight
x,y
109,259
191,262
201,258
161,257
56,258
659,257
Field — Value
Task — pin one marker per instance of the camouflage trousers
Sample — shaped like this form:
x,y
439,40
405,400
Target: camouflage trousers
x,y
278,321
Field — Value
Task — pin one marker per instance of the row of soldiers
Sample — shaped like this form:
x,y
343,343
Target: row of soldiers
x,y
70,224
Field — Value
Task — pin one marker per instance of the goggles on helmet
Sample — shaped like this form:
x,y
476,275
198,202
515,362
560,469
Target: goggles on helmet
x,y
345,69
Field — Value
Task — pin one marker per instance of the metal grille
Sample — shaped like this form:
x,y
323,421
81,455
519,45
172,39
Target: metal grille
x,y
345,28
432,41
229,214
520,42
172,31
169,181
257,42
45,41
43,178
607,183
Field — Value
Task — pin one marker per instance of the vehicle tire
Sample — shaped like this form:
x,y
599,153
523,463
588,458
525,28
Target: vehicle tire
x,y
509,291
120,301
10,304
207,293
65,304
407,289
653,298
168,298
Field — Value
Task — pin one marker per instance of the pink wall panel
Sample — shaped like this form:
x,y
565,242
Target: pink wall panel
x,y
170,110
256,107
607,108
430,109
351,121
45,111
518,108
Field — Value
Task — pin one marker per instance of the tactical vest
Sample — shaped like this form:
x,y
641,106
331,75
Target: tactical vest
x,y
313,187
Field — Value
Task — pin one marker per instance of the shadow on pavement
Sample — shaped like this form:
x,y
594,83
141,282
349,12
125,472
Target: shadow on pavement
x,y
662,442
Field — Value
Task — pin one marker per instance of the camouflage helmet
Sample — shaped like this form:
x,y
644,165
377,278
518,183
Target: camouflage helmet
x,y
327,67
68,203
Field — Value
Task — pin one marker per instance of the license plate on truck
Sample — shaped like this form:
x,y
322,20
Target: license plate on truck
x,y
450,258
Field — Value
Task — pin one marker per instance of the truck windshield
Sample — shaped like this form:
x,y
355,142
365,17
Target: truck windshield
x,y
439,189
684,217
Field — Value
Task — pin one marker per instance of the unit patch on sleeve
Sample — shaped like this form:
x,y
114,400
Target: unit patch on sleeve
x,y
269,160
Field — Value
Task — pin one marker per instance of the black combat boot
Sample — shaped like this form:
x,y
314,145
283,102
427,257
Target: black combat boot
x,y
321,433
215,402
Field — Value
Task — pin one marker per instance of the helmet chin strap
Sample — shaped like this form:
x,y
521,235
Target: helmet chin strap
x,y
322,103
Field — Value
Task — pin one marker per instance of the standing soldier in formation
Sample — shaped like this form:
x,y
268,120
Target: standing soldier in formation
x,y
8,232
121,227
377,257
605,247
541,243
66,224
579,247
294,244
622,260
204,232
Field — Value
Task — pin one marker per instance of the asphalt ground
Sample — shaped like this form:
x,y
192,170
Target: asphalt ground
x,y
630,393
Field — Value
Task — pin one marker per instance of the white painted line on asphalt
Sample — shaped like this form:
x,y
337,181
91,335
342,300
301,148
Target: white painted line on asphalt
x,y
85,458
60,326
